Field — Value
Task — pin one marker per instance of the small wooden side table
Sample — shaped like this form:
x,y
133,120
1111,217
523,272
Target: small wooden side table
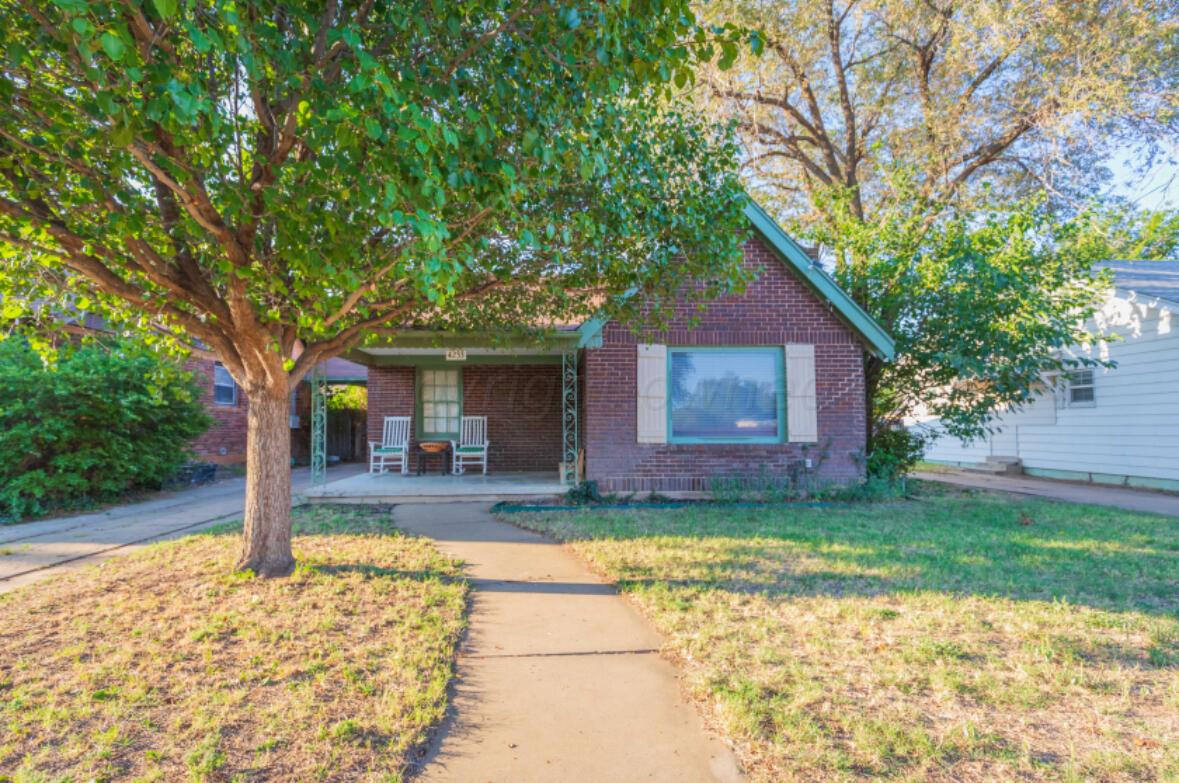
x,y
429,449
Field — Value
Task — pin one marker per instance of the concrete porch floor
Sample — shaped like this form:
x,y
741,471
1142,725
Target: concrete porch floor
x,y
434,487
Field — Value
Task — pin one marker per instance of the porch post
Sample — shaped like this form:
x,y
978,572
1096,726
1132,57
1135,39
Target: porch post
x,y
318,380
569,443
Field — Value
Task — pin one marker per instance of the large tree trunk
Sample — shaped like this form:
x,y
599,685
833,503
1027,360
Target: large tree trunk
x,y
266,540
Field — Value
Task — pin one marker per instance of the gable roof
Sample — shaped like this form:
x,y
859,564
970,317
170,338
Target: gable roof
x,y
1154,279
792,254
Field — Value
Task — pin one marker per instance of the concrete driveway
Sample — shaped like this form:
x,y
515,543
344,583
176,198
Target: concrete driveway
x,y
1072,492
36,550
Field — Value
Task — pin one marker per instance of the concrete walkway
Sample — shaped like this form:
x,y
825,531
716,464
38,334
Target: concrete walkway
x,y
36,550
559,679
1097,494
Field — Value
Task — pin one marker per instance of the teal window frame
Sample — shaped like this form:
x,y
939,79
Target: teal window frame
x,y
779,354
418,420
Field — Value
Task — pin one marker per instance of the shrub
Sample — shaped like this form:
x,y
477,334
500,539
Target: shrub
x,y
762,487
894,453
584,493
100,421
347,398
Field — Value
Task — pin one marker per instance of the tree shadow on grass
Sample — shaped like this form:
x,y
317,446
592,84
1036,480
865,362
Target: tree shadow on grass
x,y
365,521
326,520
371,570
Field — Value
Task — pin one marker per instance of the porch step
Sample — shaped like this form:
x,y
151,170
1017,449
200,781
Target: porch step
x,y
999,466
393,500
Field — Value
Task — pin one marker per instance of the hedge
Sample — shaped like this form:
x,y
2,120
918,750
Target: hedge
x,y
99,422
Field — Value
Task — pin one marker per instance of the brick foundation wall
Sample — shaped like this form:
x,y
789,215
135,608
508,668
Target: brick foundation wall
x,y
522,404
775,309
228,431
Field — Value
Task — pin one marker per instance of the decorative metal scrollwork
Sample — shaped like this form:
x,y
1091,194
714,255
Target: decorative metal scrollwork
x,y
569,429
318,425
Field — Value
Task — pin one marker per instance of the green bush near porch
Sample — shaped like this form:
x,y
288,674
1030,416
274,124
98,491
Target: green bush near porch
x,y
102,420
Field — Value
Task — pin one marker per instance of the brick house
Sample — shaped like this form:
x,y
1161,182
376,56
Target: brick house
x,y
225,440
225,402
770,381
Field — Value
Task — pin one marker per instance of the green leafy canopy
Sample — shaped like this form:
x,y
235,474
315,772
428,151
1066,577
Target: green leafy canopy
x,y
263,177
982,304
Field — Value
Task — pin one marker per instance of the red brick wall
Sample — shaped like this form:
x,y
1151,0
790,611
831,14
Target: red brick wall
x,y
775,309
229,421
228,431
522,404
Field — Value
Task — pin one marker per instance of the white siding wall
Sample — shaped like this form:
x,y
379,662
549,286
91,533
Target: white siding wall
x,y
1131,430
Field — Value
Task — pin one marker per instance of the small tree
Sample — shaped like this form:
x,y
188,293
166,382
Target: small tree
x,y
277,180
980,304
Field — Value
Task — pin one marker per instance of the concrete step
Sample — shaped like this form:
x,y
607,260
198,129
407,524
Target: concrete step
x,y
998,466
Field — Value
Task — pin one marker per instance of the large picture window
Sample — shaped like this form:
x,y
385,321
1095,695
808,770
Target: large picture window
x,y
726,395
439,404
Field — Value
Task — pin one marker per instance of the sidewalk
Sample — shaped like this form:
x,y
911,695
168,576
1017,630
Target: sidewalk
x,y
559,679
36,550
1096,494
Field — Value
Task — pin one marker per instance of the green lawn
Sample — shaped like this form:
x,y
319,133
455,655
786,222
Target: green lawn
x,y
955,637
163,666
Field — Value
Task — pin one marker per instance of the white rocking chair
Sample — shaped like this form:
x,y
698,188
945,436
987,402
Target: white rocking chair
x,y
393,448
472,445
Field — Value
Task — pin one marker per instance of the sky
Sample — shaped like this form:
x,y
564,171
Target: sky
x,y
1157,189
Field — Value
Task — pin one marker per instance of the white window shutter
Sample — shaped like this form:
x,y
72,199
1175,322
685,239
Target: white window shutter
x,y
652,393
802,419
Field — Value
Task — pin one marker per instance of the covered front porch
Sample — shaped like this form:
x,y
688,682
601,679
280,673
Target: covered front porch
x,y
524,392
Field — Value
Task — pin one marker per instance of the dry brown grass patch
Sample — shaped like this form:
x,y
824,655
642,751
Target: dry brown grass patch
x,y
165,666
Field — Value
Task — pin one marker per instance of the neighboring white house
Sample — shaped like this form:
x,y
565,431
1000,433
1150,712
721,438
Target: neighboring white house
x,y
1118,425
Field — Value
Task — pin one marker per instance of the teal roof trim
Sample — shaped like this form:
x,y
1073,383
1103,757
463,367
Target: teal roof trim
x,y
590,333
795,257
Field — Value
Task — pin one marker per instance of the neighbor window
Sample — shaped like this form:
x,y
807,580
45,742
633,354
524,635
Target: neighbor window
x,y
1080,388
224,389
439,404
725,395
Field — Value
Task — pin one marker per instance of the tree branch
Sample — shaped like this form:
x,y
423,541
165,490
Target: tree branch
x,y
348,338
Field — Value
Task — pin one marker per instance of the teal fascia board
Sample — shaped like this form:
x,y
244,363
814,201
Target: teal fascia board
x,y
788,250
590,333
412,338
